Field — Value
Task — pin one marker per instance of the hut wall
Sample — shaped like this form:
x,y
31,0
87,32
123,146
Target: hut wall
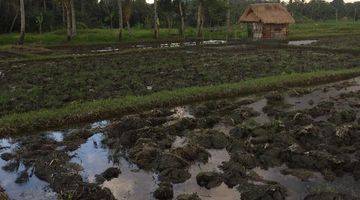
x,y
279,31
257,31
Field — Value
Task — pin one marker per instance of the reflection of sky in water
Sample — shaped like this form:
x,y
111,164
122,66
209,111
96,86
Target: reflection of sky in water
x,y
132,183
190,186
92,157
100,124
298,189
56,136
33,189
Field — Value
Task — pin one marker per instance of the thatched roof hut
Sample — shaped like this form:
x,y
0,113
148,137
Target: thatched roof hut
x,y
267,20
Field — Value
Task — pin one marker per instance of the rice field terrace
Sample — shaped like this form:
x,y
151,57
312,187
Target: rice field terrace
x,y
186,120
302,143
33,85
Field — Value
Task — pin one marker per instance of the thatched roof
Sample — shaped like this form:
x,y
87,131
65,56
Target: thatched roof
x,y
268,13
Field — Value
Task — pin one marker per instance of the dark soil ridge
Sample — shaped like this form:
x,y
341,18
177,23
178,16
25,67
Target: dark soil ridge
x,y
106,109
155,46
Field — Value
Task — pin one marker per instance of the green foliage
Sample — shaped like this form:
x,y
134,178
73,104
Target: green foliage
x,y
101,36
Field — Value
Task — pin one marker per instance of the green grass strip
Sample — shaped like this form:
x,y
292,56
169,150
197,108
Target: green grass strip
x,y
105,109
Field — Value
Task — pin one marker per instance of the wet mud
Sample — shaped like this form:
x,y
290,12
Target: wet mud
x,y
297,144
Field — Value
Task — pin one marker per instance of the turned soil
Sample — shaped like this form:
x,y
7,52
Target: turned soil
x,y
33,85
297,144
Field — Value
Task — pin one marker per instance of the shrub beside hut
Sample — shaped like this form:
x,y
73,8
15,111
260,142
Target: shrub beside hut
x,y
267,21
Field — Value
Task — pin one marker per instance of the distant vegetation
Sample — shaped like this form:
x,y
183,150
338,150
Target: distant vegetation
x,y
94,21
101,36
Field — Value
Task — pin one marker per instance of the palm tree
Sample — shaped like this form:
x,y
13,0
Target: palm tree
x,y
120,19
22,29
156,21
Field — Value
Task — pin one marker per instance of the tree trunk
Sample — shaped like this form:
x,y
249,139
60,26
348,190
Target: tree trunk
x,y
200,20
13,23
22,28
228,21
45,7
355,17
68,22
120,19
40,28
63,13
111,21
73,19
169,23
156,21
128,28
182,25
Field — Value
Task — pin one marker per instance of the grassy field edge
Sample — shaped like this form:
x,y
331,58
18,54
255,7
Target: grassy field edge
x,y
108,108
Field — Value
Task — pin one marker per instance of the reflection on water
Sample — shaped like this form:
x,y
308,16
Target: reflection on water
x,y
162,45
320,95
56,136
179,142
92,157
191,186
132,183
298,189
301,42
33,189
258,106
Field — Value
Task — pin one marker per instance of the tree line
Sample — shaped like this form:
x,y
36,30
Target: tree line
x,y
50,15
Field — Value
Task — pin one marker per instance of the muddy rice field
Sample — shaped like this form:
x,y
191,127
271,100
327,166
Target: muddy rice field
x,y
297,144
34,85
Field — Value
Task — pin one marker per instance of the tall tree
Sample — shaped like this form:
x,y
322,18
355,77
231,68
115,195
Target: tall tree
x,y
182,19
120,19
22,27
127,14
228,20
73,19
200,19
156,21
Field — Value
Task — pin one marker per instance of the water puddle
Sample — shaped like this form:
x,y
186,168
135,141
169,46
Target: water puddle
x,y
179,142
220,192
32,189
298,189
301,42
320,94
258,106
56,136
162,45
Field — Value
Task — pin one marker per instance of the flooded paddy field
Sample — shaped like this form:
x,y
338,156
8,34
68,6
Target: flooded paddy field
x,y
33,85
298,144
